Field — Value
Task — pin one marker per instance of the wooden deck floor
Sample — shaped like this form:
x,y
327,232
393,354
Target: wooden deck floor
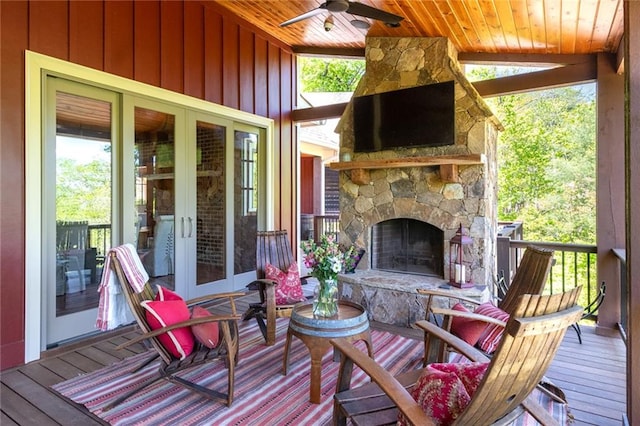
x,y
592,375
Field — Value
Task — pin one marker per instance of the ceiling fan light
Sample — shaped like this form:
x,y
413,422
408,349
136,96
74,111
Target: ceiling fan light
x,y
337,5
361,24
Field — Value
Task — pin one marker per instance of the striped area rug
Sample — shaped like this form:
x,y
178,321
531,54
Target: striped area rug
x,y
263,396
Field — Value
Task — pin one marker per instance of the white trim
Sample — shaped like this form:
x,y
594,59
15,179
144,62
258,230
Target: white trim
x,y
36,67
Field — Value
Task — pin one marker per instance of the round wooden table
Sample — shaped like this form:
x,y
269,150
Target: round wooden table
x,y
350,322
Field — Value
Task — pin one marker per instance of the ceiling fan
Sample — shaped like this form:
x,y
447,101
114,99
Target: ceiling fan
x,y
351,7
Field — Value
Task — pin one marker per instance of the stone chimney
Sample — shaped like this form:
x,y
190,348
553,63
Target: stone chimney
x,y
443,196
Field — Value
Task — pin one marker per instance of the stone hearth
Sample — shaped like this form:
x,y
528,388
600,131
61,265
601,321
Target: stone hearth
x,y
391,297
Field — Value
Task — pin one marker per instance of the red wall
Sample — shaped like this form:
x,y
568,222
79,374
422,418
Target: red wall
x,y
183,46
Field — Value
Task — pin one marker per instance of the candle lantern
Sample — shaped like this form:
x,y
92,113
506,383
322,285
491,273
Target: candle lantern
x,y
457,269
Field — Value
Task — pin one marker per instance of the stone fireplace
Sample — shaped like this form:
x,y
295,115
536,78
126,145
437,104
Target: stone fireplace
x,y
407,245
419,195
443,189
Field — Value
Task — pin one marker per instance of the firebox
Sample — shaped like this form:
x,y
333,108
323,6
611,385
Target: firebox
x,y
407,245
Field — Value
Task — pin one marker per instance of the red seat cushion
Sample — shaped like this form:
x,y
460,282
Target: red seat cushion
x,y
209,333
178,342
491,336
444,390
467,329
289,287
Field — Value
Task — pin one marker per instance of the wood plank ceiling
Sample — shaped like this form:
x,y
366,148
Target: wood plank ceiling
x,y
473,26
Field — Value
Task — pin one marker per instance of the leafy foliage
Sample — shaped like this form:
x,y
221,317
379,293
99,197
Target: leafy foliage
x,y
547,162
83,191
329,75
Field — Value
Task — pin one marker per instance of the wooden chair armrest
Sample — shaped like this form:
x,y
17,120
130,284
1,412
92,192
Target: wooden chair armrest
x,y
187,323
211,297
441,293
261,283
455,342
394,389
469,315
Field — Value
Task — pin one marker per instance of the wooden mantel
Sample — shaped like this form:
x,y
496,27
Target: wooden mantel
x,y
448,165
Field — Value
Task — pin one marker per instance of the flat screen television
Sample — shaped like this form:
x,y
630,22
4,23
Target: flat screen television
x,y
421,116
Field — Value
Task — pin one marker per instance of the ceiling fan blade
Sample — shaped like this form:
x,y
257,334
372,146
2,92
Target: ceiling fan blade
x,y
360,9
306,15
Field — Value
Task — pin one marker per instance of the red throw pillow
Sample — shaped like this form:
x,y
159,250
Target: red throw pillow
x,y
164,294
289,287
467,329
491,336
208,334
444,390
178,342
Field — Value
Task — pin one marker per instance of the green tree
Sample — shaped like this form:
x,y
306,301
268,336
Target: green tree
x,y
329,75
83,191
546,161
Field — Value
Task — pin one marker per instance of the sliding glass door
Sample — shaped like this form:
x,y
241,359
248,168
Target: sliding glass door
x,y
185,183
79,150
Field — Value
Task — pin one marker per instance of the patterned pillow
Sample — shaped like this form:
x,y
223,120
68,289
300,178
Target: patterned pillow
x,y
444,390
178,342
208,334
164,294
467,329
491,336
289,287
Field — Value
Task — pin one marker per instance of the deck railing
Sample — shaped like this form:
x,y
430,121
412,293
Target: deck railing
x,y
100,238
574,265
326,225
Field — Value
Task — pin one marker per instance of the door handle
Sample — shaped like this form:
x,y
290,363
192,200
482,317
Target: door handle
x,y
182,226
190,227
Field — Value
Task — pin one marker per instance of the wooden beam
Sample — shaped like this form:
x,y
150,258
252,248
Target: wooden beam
x,y
583,69
390,163
319,112
343,52
523,59
556,77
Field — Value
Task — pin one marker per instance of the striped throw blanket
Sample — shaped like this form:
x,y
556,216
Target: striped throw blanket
x,y
112,309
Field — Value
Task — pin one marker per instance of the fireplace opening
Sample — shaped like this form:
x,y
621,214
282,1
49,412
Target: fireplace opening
x,y
407,245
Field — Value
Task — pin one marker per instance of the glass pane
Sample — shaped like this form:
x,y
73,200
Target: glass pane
x,y
83,199
245,190
210,209
155,193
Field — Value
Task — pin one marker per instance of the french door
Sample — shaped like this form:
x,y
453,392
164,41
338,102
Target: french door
x,y
198,188
79,201
182,180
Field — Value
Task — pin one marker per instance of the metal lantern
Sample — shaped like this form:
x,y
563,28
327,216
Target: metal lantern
x,y
457,269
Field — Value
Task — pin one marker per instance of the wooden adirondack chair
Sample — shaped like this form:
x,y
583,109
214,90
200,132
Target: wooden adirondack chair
x,y
170,367
271,247
530,278
532,337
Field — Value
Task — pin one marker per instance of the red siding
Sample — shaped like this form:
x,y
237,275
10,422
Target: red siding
x,y
86,29
247,53
194,50
182,46
306,181
230,66
15,35
146,48
213,56
48,28
118,35
171,46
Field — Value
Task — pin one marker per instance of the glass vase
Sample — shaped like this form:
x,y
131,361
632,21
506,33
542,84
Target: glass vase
x,y
325,303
